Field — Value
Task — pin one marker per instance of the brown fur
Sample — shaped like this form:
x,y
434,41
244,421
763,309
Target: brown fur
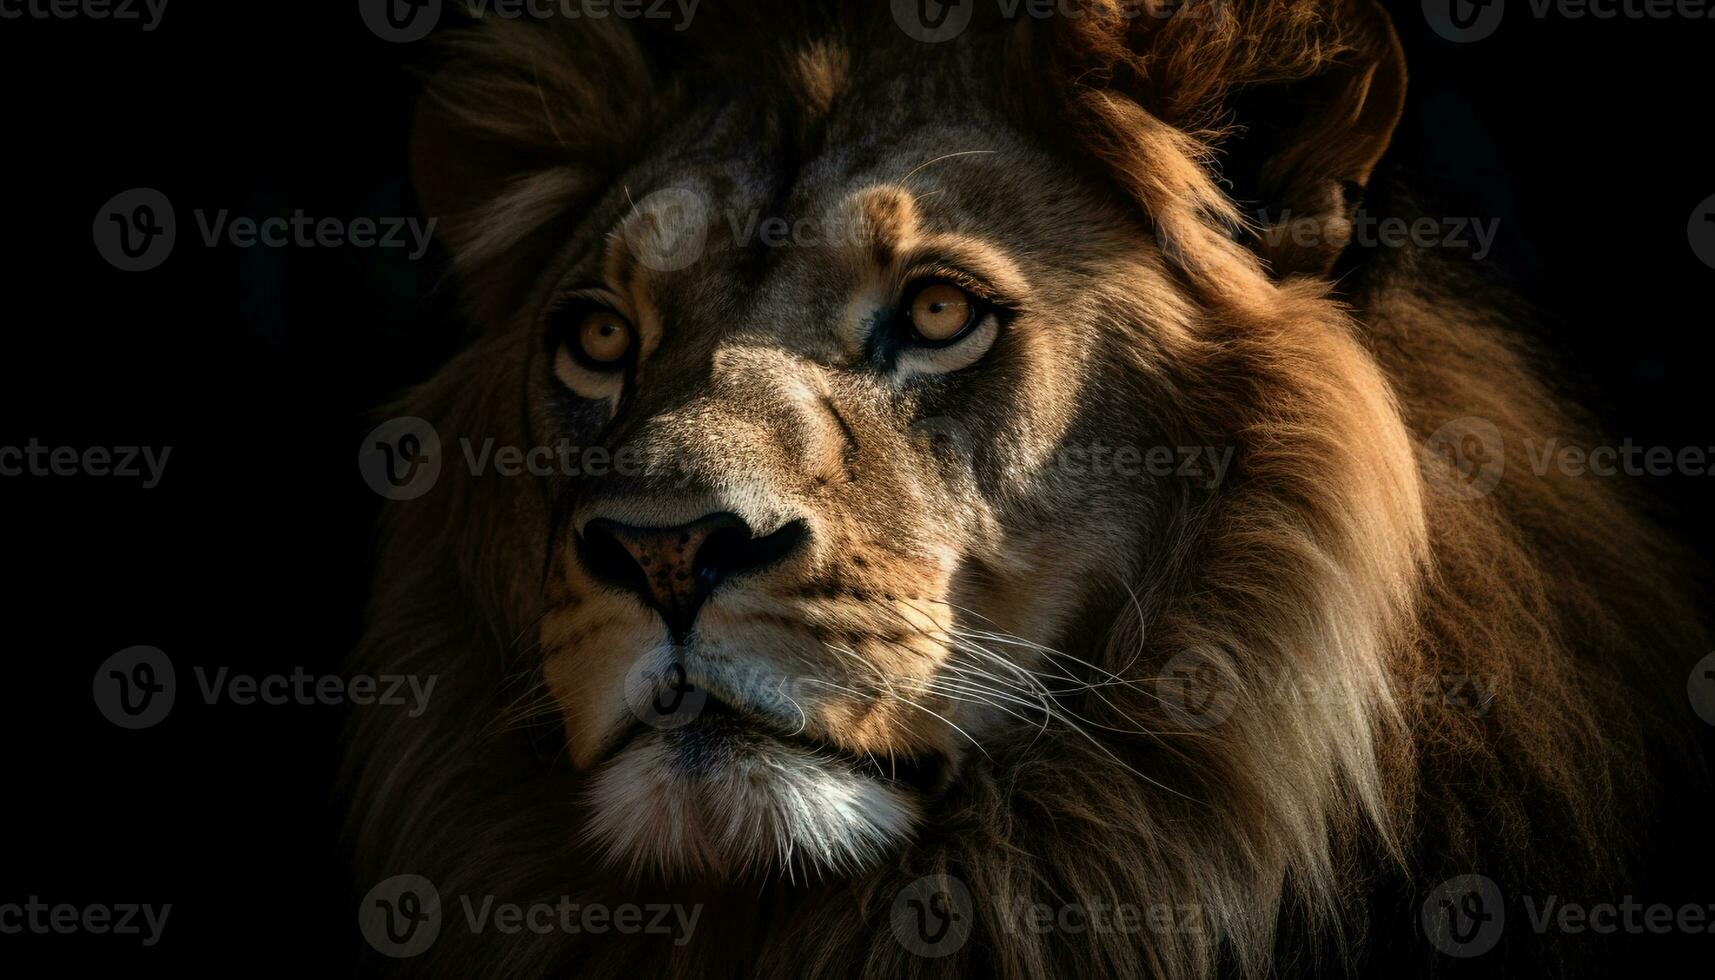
x,y
1326,579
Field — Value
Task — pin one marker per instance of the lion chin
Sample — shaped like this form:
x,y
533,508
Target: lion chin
x,y
720,798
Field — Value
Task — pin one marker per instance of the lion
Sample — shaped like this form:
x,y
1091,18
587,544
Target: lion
x,y
989,519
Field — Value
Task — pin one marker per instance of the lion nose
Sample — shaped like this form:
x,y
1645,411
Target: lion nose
x,y
673,569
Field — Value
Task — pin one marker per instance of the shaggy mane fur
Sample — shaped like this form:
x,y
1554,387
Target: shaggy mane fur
x,y
1330,582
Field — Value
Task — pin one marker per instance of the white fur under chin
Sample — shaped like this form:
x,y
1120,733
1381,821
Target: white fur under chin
x,y
769,807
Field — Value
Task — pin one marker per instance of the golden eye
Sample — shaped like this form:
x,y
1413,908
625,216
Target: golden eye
x,y
941,312
604,337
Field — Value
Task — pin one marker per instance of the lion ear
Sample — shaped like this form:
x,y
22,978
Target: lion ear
x,y
1314,156
1295,100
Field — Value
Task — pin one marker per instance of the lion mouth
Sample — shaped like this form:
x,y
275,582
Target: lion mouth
x,y
721,733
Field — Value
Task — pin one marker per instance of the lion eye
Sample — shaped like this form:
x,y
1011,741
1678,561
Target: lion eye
x,y
941,312
604,338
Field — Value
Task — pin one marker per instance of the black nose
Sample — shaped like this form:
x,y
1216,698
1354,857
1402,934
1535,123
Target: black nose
x,y
673,569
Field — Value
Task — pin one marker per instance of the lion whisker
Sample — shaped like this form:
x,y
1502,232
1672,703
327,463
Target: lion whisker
x,y
929,711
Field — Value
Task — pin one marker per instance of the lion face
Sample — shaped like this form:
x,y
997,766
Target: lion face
x,y
857,406
864,346
854,345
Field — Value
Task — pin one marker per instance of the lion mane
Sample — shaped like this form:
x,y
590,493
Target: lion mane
x,y
1330,584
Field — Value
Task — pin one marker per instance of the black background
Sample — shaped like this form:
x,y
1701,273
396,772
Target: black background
x,y
1587,138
